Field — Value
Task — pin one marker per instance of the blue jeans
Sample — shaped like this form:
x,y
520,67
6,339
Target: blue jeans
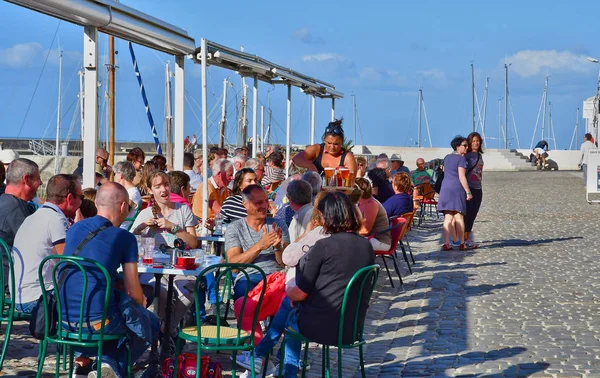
x,y
25,307
275,330
209,284
239,289
292,348
140,325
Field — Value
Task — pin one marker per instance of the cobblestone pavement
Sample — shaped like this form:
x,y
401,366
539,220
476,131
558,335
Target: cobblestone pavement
x,y
524,304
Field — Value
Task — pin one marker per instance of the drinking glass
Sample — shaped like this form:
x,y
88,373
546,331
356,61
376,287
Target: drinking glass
x,y
329,175
148,246
343,174
138,239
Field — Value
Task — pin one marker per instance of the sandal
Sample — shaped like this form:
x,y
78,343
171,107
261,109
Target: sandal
x,y
462,247
446,247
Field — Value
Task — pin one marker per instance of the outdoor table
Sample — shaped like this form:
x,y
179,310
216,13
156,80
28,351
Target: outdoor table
x,y
219,242
158,272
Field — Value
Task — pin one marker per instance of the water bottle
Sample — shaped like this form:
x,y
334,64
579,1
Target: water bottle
x,y
218,225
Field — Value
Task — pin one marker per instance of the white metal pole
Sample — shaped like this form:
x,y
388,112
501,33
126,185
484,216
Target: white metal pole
x,y
58,115
223,114
545,103
506,106
485,101
244,131
81,101
262,128
254,115
332,109
288,131
312,119
204,132
178,147
90,65
354,115
577,127
420,111
473,93
169,115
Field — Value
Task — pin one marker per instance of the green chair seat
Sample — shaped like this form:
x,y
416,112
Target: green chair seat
x,y
73,336
227,335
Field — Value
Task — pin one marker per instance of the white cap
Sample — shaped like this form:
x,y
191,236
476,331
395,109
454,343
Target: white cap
x,y
7,156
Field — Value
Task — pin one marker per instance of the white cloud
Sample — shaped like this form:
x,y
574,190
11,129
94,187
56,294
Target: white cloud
x,y
433,74
526,63
382,78
20,54
323,57
305,36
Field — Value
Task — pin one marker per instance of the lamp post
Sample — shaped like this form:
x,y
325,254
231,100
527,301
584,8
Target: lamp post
x,y
596,101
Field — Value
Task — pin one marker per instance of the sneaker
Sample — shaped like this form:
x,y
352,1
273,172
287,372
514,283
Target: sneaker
x,y
107,372
470,244
455,244
243,359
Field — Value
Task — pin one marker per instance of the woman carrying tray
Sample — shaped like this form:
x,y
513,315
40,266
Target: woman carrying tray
x,y
328,154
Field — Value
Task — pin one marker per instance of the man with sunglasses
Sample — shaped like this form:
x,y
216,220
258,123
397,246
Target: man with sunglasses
x,y
102,166
329,154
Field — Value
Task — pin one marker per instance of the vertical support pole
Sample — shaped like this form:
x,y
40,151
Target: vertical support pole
x,y
254,116
204,131
223,114
262,128
312,119
545,111
81,104
420,111
58,116
505,106
168,116
111,100
332,109
179,113
577,128
90,64
288,132
473,93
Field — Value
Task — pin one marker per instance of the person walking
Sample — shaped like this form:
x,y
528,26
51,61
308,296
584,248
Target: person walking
x,y
474,173
586,146
455,193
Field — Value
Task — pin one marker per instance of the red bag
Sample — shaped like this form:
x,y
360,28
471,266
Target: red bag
x,y
187,367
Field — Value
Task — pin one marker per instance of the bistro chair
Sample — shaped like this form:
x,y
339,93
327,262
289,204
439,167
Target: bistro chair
x,y
361,286
396,226
219,337
404,240
7,304
72,337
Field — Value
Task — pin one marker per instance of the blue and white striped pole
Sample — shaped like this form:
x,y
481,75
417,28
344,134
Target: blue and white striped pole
x,y
143,92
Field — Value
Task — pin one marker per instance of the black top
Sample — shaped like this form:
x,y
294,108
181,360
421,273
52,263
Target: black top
x,y
13,212
385,192
323,273
317,161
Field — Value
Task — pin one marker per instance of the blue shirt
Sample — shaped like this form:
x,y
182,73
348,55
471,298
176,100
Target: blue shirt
x,y
398,204
111,248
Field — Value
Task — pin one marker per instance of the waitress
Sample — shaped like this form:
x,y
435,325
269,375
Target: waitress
x,y
328,154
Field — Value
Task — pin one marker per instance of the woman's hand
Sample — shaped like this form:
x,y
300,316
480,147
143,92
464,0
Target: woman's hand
x,y
469,196
164,223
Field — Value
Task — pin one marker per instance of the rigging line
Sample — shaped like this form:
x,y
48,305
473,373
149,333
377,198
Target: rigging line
x,y
512,114
359,129
38,81
75,115
197,118
537,120
410,125
53,118
478,110
552,129
63,94
427,123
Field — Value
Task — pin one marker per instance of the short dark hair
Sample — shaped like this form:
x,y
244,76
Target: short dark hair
x,y
88,208
60,186
365,186
247,192
470,138
135,154
160,161
457,141
188,159
300,192
587,136
339,213
277,159
334,128
237,180
179,180
378,177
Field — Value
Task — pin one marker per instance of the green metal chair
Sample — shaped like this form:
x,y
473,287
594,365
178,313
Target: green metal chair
x,y
361,284
218,337
131,220
7,304
81,337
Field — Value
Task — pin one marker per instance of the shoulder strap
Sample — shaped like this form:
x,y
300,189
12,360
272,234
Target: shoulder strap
x,y
343,158
474,165
317,161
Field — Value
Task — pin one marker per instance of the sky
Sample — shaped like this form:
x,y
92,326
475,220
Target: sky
x,y
382,53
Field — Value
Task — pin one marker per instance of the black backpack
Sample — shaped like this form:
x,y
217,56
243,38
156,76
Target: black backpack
x,y
437,177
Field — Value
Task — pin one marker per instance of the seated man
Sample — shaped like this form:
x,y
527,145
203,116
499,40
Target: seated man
x,y
398,165
126,312
255,239
188,168
217,189
299,193
43,234
420,176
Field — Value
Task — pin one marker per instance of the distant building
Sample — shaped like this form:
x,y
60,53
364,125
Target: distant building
x,y
588,115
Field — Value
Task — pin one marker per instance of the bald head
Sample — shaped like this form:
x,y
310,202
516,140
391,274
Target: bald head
x,y
112,202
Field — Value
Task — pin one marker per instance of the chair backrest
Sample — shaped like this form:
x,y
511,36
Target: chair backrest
x,y
409,217
224,272
396,226
6,256
131,220
64,267
361,286
427,190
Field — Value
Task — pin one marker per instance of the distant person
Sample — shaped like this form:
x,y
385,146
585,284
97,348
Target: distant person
x,y
180,188
188,168
420,177
137,157
586,146
329,154
193,142
102,166
398,165
124,175
361,167
541,153
401,202
233,207
161,162
7,157
274,171
217,190
474,175
382,188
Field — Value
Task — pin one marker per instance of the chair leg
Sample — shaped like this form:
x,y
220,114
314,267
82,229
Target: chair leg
x,y
6,340
339,362
362,361
405,257
281,356
264,370
397,269
71,360
387,270
328,369
305,360
41,357
410,250
234,358
323,362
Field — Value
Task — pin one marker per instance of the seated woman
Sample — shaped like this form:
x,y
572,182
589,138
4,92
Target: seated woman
x,y
232,207
329,154
274,171
401,202
382,188
375,218
166,221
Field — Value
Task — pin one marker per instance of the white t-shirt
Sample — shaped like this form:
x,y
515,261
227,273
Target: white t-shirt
x,y
182,216
135,196
36,237
195,179
296,250
300,222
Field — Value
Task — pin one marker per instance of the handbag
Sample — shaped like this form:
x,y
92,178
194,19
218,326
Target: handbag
x,y
187,367
38,315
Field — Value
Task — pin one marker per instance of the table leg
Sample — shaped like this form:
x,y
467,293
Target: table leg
x,y
154,369
219,248
168,313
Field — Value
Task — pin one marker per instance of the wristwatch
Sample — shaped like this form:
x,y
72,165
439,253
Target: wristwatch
x,y
175,229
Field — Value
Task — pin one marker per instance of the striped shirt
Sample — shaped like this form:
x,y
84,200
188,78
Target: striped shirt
x,y
273,174
233,208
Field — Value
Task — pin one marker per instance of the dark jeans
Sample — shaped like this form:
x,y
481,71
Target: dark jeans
x,y
140,325
473,208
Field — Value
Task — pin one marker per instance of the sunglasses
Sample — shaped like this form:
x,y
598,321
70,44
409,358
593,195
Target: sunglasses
x,y
335,130
464,145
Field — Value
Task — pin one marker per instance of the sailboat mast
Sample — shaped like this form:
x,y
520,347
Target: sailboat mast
x,y
499,120
485,101
354,107
506,105
473,94
111,99
545,103
420,111
58,116
223,115
577,127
